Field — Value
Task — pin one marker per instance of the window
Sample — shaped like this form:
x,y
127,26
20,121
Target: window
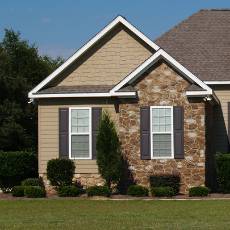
x,y
161,132
80,133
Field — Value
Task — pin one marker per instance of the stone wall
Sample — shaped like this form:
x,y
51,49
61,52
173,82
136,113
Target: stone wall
x,y
163,86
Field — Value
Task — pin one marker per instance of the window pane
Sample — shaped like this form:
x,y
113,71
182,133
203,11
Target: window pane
x,y
155,112
80,146
161,112
80,120
167,112
162,145
168,128
161,120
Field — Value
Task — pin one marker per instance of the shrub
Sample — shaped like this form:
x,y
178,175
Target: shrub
x,y
223,172
33,182
60,171
69,191
163,191
199,191
109,158
98,191
137,190
15,167
79,186
172,181
18,191
34,192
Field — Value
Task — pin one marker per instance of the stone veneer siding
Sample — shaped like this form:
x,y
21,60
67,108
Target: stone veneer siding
x,y
163,86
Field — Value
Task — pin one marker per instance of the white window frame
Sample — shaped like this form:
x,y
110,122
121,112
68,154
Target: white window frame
x,y
74,133
151,132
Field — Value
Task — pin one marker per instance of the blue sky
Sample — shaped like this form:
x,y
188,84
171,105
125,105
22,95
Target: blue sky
x,y
59,27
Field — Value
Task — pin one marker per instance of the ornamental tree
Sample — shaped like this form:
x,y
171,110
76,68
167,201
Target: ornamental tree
x,y
109,158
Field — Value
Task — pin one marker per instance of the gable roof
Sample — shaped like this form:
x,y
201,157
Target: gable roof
x,y
83,49
122,88
201,44
161,54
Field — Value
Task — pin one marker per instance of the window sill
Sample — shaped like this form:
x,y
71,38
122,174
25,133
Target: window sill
x,y
162,158
80,158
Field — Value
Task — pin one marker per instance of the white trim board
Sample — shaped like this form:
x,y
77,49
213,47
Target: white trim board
x,y
87,133
217,82
152,132
153,59
83,49
68,95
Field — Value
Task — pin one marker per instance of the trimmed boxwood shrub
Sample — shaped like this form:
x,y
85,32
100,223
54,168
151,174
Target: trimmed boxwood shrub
x,y
163,191
69,191
34,192
223,172
60,171
137,190
199,191
33,182
172,181
18,191
15,167
98,191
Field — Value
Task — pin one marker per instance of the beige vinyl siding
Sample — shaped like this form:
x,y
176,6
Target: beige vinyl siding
x,y
221,118
107,63
48,128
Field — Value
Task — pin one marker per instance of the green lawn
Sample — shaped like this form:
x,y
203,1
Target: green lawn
x,y
89,214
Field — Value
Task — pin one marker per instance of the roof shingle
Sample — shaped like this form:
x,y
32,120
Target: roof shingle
x,y
201,43
83,89
77,89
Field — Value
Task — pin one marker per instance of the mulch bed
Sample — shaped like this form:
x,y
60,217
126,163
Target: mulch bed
x,y
212,196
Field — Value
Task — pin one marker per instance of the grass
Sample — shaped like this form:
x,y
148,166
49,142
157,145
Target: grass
x,y
88,214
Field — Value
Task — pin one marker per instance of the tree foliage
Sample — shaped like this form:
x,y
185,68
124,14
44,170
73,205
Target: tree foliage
x,y
21,68
109,157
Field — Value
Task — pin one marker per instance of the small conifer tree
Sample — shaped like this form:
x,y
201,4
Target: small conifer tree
x,y
109,158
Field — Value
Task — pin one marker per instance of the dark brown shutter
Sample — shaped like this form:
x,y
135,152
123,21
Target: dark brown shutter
x,y
96,116
178,124
64,132
145,133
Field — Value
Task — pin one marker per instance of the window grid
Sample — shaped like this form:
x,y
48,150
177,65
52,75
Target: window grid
x,y
161,132
74,131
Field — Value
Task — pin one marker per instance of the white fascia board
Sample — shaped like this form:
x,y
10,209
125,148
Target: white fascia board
x,y
89,44
153,59
68,95
217,82
138,33
197,93
202,93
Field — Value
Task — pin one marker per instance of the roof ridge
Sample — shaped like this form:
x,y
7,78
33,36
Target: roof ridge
x,y
216,9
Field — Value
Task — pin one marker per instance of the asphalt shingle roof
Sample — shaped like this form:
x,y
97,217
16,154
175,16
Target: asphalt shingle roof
x,y
84,89
201,43
77,89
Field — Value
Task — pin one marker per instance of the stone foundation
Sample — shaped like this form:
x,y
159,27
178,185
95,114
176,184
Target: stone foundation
x,y
86,180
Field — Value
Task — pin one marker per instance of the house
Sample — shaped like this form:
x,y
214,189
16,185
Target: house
x,y
168,99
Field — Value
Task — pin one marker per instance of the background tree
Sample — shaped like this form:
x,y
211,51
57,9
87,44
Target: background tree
x,y
109,157
21,68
